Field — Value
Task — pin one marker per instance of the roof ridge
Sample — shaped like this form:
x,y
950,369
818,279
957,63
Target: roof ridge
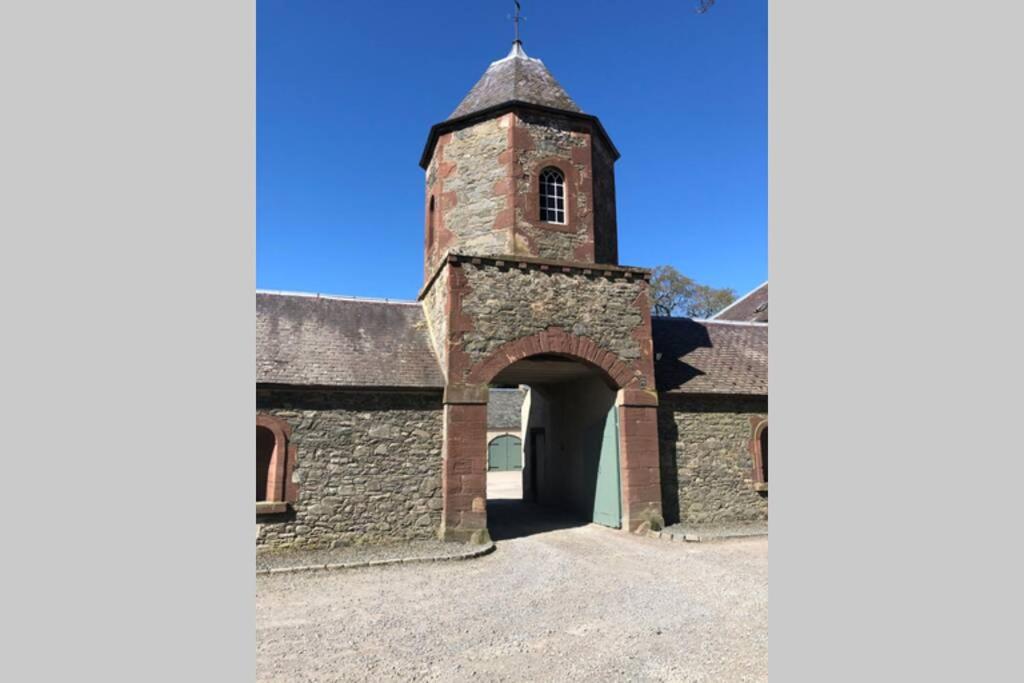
x,y
742,298
338,297
755,323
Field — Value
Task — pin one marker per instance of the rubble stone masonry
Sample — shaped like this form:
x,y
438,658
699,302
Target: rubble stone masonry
x,y
468,178
507,304
707,474
368,465
483,182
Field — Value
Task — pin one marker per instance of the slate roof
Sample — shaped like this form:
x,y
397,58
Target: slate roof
x,y
519,78
504,409
752,307
710,357
304,339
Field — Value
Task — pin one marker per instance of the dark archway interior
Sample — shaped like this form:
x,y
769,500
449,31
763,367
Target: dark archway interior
x,y
764,454
264,457
563,423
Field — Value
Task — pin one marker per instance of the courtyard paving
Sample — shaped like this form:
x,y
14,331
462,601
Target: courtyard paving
x,y
558,600
505,485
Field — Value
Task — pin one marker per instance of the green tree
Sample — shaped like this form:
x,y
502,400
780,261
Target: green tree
x,y
672,293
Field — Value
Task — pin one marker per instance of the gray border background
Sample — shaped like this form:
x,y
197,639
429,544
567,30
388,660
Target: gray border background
x,y
128,212
128,157
894,217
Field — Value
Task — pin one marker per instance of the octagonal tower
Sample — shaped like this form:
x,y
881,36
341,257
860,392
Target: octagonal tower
x,y
519,170
521,264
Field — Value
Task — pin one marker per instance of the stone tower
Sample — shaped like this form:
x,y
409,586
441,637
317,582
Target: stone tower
x,y
521,262
484,161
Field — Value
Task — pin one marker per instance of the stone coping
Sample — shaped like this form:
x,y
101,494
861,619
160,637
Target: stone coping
x,y
354,557
707,534
533,263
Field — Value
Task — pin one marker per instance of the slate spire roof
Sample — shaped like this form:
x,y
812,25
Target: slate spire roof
x,y
517,77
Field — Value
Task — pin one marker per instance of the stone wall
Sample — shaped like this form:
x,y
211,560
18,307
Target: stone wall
x,y
435,311
706,463
468,176
368,467
543,141
606,231
484,182
507,304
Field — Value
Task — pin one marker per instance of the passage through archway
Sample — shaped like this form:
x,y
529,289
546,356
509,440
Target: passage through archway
x,y
570,449
554,359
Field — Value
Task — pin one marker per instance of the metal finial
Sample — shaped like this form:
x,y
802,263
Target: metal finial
x,y
518,8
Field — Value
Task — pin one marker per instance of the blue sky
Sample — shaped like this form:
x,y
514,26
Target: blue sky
x,y
346,93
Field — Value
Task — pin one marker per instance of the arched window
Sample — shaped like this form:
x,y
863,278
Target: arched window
x,y
275,459
430,222
552,195
764,454
264,461
759,448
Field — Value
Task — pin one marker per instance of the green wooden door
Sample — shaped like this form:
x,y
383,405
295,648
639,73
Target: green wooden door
x,y
607,498
515,453
505,453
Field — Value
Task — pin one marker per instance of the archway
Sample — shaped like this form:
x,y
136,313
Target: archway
x,y
570,474
608,394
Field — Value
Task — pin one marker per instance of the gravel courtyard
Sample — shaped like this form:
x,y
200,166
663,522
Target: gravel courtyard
x,y
556,601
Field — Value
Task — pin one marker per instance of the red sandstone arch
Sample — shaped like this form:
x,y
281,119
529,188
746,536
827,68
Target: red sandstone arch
x,y
464,477
760,426
280,488
558,342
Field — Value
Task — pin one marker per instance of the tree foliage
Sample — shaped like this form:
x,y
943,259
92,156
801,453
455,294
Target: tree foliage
x,y
672,293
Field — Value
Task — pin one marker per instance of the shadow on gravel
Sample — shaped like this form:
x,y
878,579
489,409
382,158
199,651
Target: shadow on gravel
x,y
508,519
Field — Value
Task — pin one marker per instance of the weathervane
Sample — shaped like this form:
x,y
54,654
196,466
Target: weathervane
x,y
516,20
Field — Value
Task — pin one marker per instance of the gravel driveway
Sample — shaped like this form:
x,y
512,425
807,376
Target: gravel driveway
x,y
573,603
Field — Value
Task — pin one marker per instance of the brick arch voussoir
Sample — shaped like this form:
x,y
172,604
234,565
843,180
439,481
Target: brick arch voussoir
x,y
555,341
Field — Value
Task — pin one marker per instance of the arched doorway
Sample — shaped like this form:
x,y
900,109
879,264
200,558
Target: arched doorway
x,y
504,454
559,363
570,473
